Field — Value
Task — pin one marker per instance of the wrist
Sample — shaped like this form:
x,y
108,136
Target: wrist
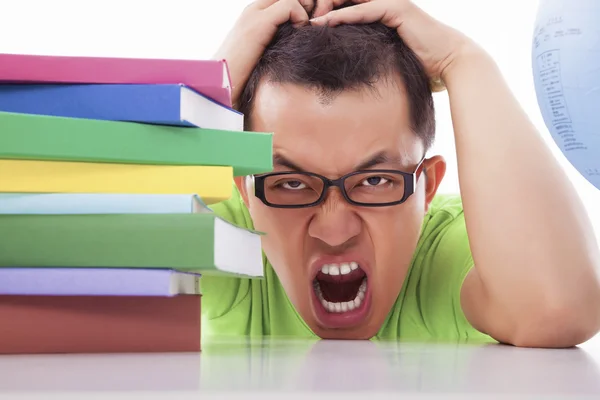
x,y
465,60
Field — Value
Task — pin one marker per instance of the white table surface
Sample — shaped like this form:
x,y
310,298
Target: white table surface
x,y
266,369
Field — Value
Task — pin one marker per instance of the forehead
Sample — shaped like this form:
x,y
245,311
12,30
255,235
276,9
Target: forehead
x,y
331,134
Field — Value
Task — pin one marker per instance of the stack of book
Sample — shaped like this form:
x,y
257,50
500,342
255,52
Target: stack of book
x,y
108,167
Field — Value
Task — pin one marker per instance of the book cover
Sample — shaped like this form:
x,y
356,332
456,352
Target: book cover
x,y
100,203
160,104
35,137
212,184
209,77
202,243
97,282
99,324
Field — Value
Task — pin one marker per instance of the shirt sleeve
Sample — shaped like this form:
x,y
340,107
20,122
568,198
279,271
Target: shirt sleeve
x,y
443,272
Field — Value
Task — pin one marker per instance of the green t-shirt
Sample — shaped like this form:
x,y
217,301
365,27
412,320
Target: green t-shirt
x,y
428,307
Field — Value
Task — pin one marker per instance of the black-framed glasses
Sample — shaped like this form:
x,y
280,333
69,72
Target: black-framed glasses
x,y
369,188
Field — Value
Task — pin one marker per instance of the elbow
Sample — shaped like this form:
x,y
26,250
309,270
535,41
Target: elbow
x,y
565,318
561,326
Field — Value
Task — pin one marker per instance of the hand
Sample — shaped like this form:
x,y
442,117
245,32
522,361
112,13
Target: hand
x,y
254,29
436,44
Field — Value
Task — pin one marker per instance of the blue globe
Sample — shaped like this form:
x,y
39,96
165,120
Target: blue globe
x,y
566,69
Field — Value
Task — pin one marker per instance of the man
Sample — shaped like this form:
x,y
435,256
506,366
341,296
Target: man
x,y
358,244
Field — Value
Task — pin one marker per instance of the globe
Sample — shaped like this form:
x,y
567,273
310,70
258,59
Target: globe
x,y
566,71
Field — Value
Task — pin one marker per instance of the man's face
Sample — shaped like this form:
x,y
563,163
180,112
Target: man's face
x,y
342,265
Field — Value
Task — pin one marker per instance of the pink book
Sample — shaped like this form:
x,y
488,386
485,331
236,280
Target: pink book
x,y
209,77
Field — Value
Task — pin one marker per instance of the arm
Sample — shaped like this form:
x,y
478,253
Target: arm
x,y
535,282
246,41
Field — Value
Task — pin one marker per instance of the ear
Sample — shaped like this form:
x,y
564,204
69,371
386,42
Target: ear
x,y
241,183
434,171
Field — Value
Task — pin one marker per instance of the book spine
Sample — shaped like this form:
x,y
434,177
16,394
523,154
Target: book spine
x,y
212,184
95,203
182,242
86,282
34,137
99,324
159,104
209,77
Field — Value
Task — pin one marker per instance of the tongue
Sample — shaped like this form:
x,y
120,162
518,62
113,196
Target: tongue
x,y
338,292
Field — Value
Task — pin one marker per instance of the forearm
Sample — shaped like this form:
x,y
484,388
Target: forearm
x,y
531,239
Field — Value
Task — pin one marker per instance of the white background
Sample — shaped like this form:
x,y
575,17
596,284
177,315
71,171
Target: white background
x,y
193,29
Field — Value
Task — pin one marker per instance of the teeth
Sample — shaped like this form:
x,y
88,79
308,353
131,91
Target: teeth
x,y
345,269
339,269
363,287
345,305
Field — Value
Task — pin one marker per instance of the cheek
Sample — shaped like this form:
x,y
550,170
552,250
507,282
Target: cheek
x,y
285,232
275,222
394,233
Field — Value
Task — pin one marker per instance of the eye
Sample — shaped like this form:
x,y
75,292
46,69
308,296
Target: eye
x,y
293,185
374,181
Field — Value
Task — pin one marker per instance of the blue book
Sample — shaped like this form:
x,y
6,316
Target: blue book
x,y
92,203
159,104
97,282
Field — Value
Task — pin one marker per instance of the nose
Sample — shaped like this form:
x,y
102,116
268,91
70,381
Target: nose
x,y
335,223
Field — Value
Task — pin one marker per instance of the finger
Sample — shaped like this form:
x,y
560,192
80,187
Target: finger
x,y
287,10
365,13
262,4
324,6
308,5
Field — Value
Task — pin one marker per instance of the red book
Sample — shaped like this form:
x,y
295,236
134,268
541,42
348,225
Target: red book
x,y
209,77
99,324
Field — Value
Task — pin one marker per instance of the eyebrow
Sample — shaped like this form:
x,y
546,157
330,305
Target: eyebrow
x,y
381,157
281,161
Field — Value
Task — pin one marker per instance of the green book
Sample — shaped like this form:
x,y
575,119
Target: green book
x,y
37,137
200,242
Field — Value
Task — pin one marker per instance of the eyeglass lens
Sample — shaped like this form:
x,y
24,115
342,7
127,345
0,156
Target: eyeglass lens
x,y
367,187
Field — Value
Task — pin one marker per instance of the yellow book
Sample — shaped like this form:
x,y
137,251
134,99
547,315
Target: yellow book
x,y
212,183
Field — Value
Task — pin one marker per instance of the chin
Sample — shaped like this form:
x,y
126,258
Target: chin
x,y
362,333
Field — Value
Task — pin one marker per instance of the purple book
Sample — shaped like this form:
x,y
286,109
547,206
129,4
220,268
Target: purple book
x,y
97,282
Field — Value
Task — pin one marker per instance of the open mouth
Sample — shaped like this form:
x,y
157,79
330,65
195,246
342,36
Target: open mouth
x,y
342,293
